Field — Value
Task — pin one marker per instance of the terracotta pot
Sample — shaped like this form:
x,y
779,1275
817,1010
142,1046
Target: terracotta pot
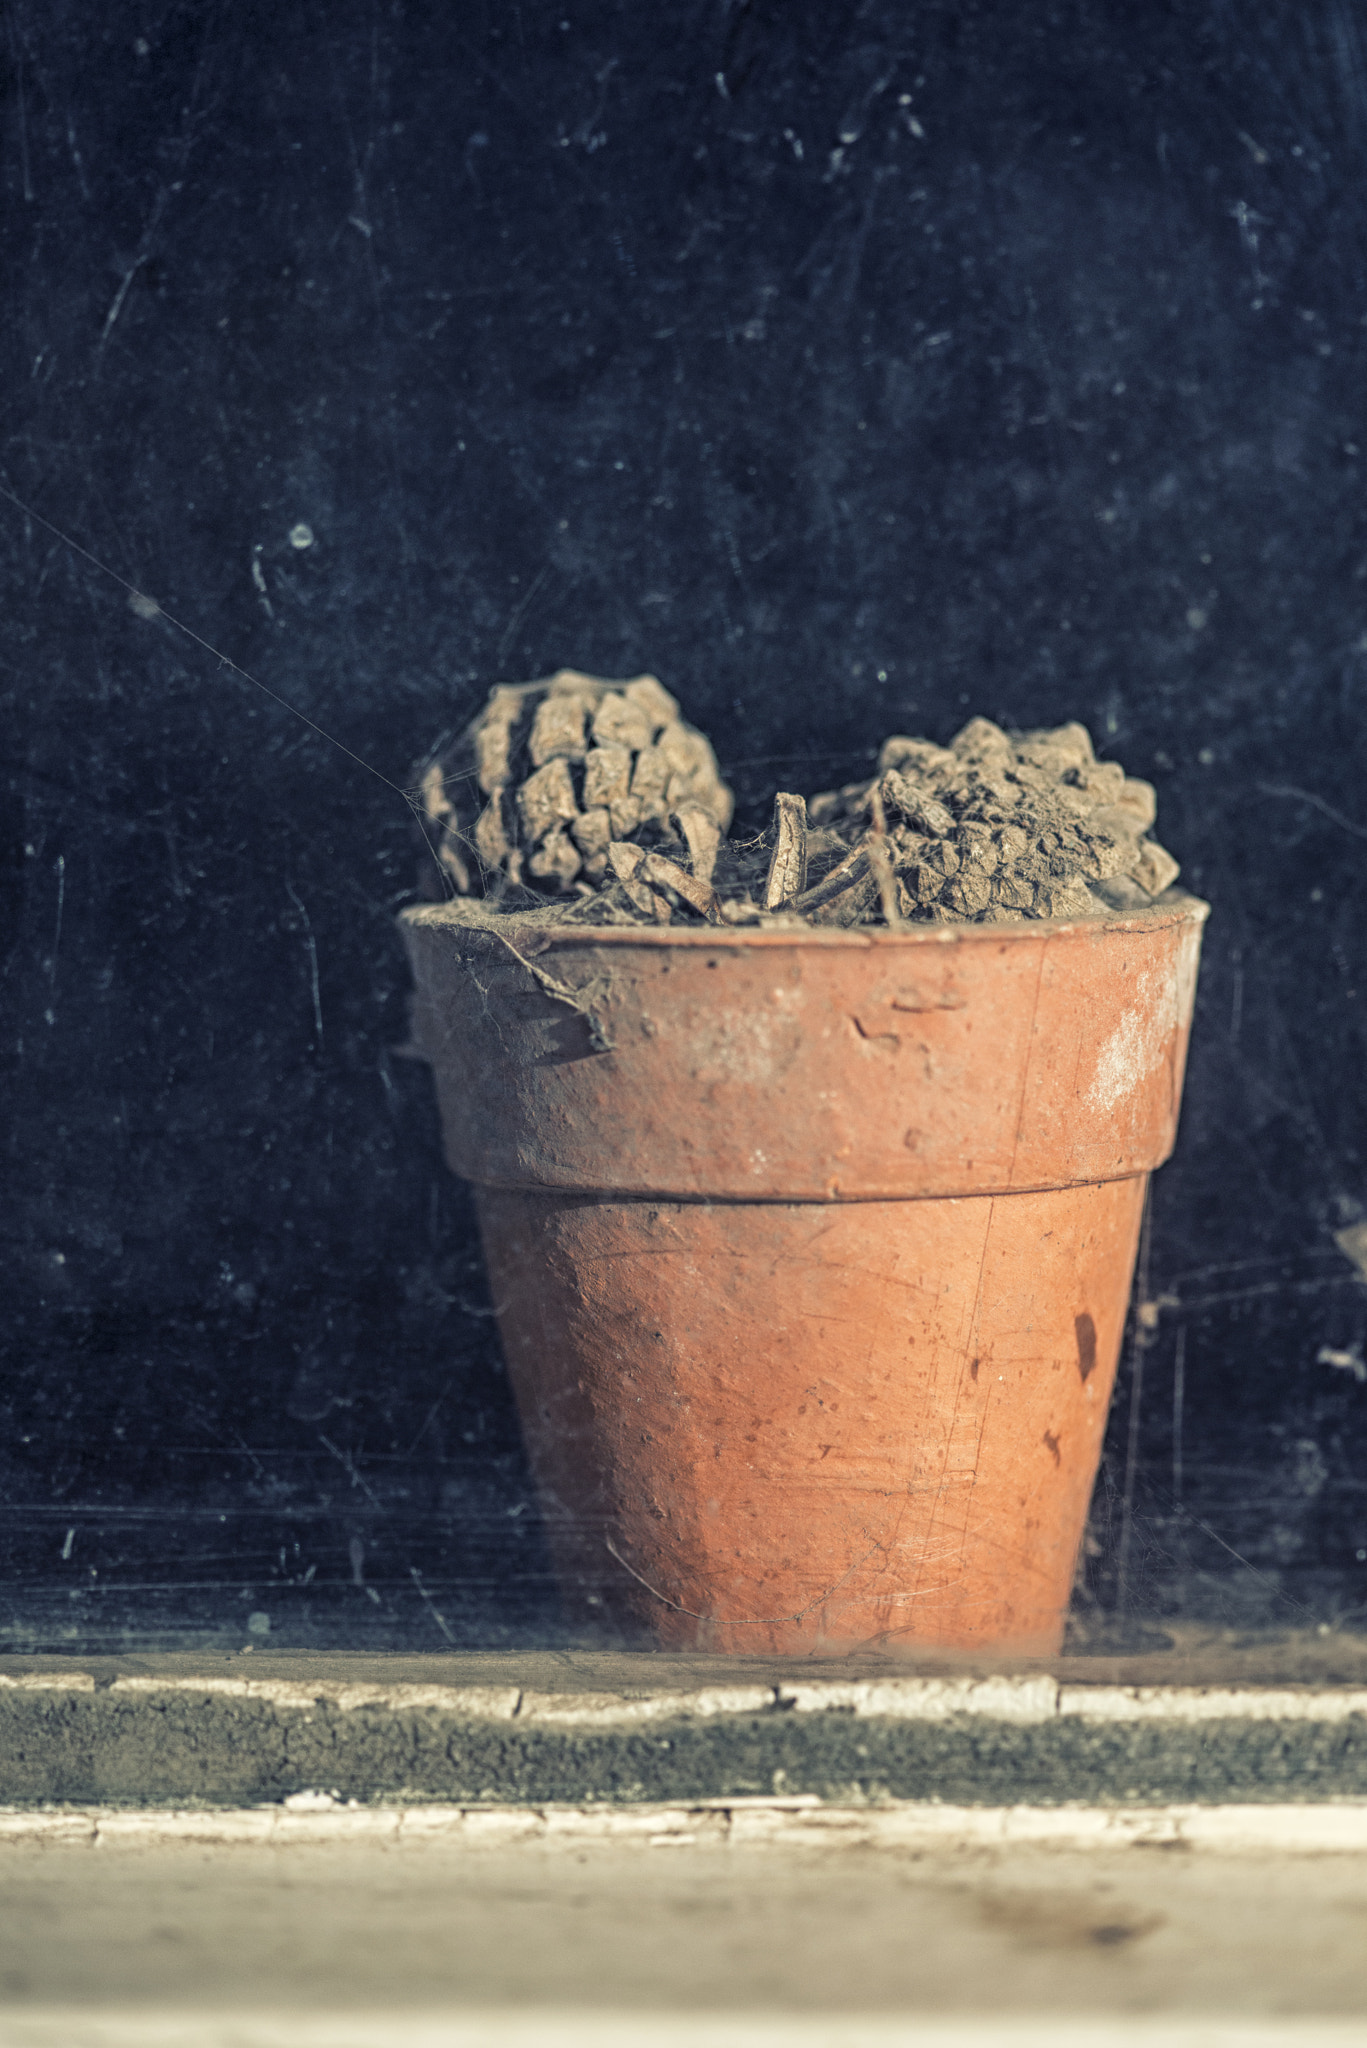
x,y
811,1252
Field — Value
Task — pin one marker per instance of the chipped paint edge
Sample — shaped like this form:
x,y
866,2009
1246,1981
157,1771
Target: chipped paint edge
x,y
1030,1700
801,1822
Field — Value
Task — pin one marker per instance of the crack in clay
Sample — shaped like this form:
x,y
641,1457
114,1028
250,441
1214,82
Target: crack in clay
x,y
561,992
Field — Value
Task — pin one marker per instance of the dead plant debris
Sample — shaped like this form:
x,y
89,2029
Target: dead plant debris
x,y
579,800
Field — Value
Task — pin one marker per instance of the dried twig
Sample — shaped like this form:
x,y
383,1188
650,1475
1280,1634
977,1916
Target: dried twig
x,y
703,836
787,875
667,874
846,872
626,860
880,860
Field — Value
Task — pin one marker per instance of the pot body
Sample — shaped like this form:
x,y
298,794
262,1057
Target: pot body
x,y
788,1427
811,1252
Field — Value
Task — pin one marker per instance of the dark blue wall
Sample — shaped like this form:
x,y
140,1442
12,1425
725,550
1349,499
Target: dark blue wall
x,y
853,366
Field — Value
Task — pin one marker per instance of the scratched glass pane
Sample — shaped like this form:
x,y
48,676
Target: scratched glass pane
x,y
857,373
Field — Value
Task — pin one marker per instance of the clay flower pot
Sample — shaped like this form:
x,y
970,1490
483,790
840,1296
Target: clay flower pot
x,y
811,1252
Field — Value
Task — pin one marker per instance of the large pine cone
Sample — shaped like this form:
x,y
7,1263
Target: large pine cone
x,y
551,773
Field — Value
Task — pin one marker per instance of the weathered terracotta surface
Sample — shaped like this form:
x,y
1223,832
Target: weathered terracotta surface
x,y
804,1065
810,1426
812,1283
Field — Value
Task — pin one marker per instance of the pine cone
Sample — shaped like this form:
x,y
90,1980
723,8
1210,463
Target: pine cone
x,y
552,774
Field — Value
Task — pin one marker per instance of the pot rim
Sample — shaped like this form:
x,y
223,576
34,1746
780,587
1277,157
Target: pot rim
x,y
1175,906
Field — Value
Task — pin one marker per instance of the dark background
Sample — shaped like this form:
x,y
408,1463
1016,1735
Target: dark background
x,y
853,367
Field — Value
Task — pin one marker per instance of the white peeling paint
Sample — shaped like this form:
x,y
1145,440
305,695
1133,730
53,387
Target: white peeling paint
x,y
1037,1698
928,1699
610,1709
1312,1828
1211,1703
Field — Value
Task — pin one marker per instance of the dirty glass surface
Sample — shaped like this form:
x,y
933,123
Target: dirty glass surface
x,y
856,369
